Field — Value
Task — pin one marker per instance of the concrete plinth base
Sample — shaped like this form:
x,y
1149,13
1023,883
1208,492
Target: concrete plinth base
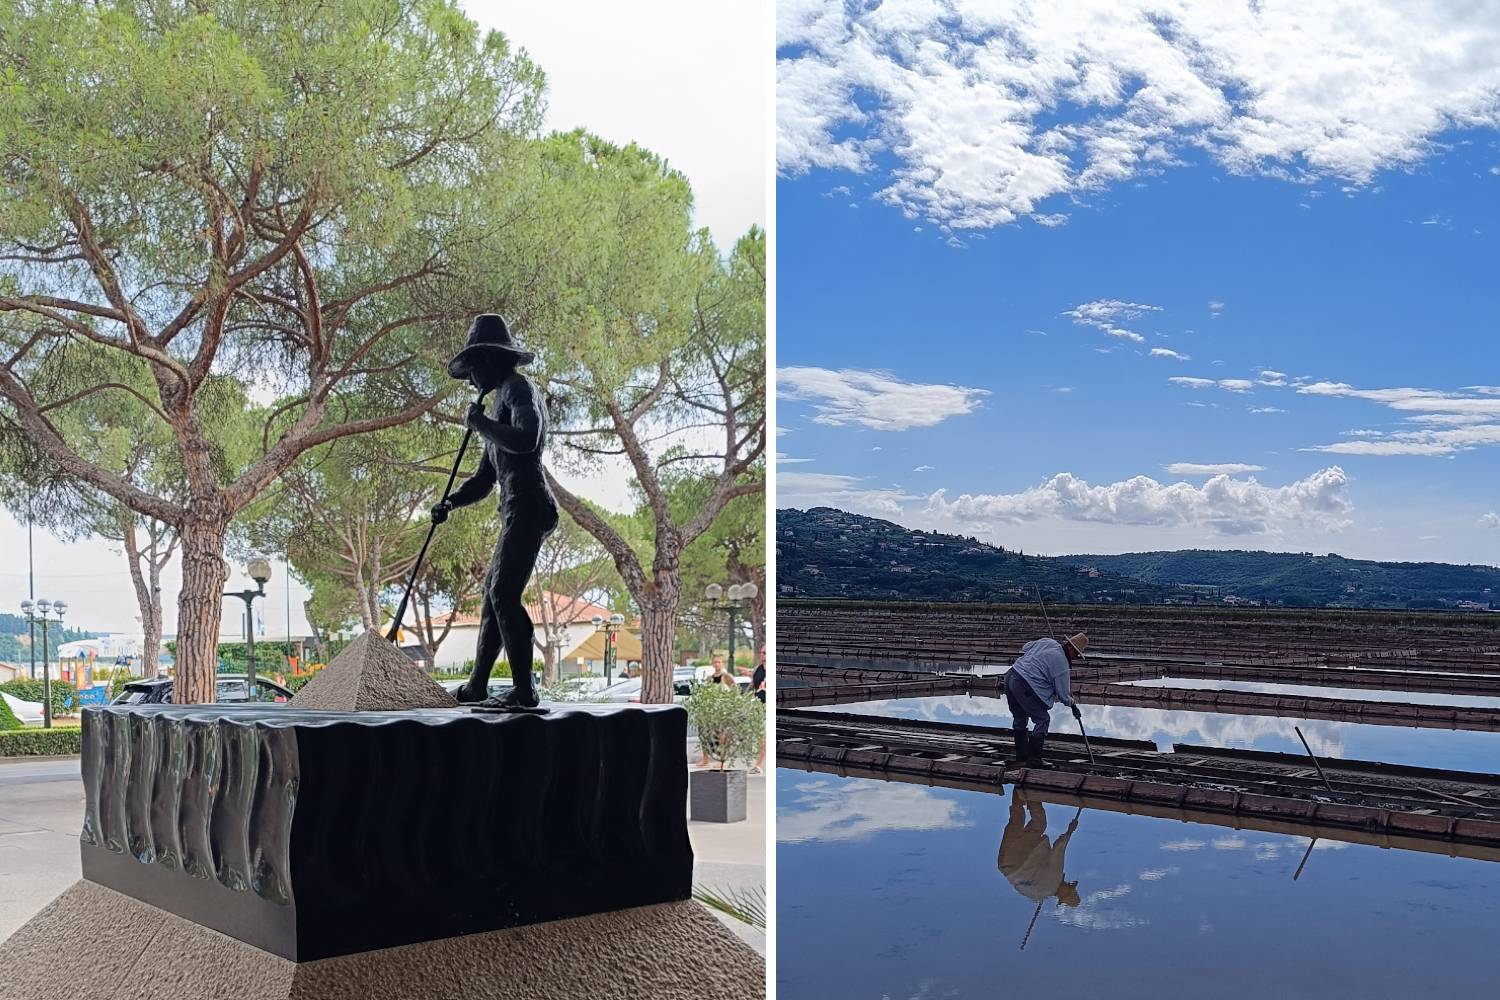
x,y
130,949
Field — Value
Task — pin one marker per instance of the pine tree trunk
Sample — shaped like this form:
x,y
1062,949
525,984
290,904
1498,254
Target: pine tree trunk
x,y
658,637
200,605
549,664
151,627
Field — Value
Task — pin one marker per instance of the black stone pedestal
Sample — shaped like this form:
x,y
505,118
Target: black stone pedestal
x,y
314,834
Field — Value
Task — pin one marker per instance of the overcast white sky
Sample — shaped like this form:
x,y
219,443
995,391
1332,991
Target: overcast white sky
x,y
685,78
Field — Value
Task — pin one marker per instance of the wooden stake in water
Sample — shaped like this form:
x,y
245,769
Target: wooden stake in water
x,y
1310,845
1314,759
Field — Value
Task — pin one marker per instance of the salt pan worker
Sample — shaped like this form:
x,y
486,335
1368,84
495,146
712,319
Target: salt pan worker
x,y
1039,679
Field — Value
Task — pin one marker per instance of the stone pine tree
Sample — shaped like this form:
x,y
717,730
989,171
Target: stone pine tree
x,y
298,198
677,387
347,520
732,551
118,432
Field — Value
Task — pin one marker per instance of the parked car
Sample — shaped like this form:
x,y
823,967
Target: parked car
x,y
497,686
629,691
229,689
28,712
619,692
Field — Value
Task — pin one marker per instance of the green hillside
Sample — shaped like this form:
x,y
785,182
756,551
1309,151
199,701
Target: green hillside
x,y
828,553
1302,579
825,552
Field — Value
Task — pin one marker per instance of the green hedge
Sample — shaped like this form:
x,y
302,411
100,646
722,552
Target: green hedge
x,y
64,696
42,742
8,720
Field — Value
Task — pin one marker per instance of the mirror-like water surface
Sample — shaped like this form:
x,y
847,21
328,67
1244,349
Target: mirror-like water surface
x,y
890,890
1455,749
1318,691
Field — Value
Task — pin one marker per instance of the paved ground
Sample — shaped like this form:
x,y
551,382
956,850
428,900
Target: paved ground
x,y
733,855
41,812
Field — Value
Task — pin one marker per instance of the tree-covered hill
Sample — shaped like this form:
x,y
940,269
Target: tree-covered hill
x,y
829,553
1302,579
825,552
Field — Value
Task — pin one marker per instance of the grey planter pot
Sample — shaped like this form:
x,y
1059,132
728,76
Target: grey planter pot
x,y
716,796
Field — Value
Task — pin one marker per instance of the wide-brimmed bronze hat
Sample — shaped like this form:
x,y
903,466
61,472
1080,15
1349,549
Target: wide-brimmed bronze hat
x,y
489,342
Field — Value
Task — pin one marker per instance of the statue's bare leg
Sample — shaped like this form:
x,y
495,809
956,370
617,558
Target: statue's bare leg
x,y
487,649
520,543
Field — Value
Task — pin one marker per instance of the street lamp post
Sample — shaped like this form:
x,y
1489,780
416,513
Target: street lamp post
x,y
260,572
610,626
734,600
38,614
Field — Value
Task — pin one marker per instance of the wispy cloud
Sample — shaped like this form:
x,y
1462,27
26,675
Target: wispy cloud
x,y
821,489
1421,442
1450,422
975,115
1162,352
1227,384
1423,400
1105,314
875,399
1490,520
1211,469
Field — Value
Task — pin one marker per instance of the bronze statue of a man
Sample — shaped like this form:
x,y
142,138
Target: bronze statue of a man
x,y
514,433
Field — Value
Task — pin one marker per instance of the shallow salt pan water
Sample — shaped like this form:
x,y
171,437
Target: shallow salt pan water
x,y
890,890
1445,748
1316,691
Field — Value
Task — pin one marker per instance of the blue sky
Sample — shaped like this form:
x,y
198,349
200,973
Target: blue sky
x,y
986,241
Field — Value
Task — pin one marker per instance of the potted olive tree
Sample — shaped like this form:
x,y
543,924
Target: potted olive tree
x,y
730,727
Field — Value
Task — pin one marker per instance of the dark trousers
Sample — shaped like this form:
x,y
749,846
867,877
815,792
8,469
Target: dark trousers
x,y
503,621
1024,705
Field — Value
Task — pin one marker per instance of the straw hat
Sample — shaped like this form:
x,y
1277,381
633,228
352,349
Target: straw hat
x,y
1079,642
489,340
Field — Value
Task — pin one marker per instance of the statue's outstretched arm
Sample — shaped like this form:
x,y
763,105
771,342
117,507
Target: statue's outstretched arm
x,y
477,486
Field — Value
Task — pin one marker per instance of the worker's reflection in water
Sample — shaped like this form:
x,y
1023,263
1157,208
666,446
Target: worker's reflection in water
x,y
1034,866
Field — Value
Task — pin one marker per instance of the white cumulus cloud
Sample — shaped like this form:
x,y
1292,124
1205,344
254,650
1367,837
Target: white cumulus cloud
x,y
1162,352
1490,520
875,399
1225,505
979,112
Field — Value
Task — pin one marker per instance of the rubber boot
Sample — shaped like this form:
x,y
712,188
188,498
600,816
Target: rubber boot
x,y
1034,757
1021,742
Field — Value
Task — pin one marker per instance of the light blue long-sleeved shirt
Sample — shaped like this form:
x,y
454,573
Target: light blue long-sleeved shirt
x,y
1044,666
